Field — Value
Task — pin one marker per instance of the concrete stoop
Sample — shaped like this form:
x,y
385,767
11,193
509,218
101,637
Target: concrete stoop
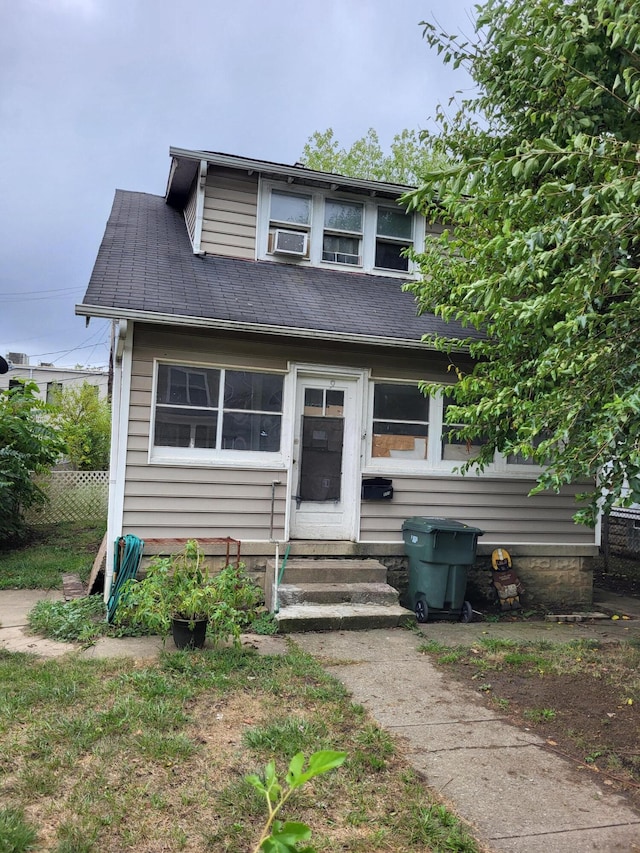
x,y
332,595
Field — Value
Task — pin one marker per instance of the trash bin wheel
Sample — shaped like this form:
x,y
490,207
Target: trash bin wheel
x,y
467,612
421,609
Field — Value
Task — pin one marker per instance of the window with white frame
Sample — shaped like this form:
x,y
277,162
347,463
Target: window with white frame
x,y
289,223
217,409
394,234
455,448
400,427
342,235
322,228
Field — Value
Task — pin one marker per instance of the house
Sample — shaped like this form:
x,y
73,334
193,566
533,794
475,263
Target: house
x,y
49,378
267,364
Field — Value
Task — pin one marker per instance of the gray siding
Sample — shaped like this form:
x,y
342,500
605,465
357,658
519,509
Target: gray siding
x,y
193,501
499,506
189,501
230,214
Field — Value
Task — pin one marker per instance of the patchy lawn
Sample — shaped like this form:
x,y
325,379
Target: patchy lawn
x,y
583,698
113,756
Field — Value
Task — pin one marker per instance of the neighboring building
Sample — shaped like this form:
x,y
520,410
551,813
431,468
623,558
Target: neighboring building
x,y
49,378
267,363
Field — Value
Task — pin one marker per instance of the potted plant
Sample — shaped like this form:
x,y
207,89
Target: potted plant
x,y
179,595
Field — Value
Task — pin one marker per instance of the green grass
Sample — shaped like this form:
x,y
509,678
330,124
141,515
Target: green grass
x,y
118,754
16,835
50,553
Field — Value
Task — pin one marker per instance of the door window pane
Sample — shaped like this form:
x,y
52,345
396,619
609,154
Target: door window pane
x,y
335,404
313,400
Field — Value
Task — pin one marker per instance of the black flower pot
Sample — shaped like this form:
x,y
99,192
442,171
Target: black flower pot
x,y
188,634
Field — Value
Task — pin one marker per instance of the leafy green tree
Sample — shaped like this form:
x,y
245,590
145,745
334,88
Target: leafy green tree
x,y
408,158
541,202
84,422
29,444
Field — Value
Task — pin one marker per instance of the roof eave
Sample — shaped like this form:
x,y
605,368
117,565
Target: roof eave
x,y
286,171
108,313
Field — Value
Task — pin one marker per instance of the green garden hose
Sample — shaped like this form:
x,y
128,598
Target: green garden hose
x,y
126,562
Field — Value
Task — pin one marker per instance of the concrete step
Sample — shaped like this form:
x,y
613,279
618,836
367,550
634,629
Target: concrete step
x,y
306,570
337,593
298,618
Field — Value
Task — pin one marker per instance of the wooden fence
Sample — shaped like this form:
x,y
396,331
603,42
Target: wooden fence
x,y
75,496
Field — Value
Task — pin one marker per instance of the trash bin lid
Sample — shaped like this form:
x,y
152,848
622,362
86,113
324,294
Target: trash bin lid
x,y
427,524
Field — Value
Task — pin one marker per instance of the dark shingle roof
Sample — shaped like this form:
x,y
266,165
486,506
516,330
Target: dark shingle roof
x,y
146,264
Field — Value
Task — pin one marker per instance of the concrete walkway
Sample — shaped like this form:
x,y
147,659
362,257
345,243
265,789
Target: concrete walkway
x,y
517,796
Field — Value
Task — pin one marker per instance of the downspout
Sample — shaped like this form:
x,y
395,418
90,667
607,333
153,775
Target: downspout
x,y
119,433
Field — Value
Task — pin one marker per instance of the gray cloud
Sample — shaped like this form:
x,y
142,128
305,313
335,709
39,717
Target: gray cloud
x,y
93,93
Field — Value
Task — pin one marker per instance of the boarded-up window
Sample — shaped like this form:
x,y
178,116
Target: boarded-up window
x,y
400,421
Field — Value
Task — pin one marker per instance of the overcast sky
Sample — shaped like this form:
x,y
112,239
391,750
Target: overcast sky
x,y
93,93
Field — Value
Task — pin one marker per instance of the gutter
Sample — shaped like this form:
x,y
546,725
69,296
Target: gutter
x,y
250,165
161,319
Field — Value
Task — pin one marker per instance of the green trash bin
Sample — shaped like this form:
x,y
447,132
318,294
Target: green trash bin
x,y
440,551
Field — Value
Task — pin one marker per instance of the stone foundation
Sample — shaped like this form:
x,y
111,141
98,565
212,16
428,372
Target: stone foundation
x,y
555,577
563,581
553,583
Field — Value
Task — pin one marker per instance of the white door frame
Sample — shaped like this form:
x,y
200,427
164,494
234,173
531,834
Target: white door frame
x,y
352,449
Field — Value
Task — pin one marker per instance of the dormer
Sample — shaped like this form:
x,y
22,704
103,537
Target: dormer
x,y
257,210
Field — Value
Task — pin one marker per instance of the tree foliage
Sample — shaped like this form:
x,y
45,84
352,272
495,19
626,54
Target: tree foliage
x,y
29,445
84,422
408,157
541,202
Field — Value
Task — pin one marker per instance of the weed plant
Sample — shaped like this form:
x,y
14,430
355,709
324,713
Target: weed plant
x,y
80,620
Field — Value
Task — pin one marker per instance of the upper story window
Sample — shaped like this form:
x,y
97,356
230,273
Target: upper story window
x,y
342,236
322,228
291,209
217,409
289,224
394,233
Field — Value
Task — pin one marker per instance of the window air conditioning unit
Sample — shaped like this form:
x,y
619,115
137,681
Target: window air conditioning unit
x,y
290,243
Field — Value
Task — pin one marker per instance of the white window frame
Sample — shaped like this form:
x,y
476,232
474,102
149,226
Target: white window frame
x,y
316,229
433,464
327,231
385,238
214,457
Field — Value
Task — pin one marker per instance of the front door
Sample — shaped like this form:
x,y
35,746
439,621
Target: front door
x,y
326,457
